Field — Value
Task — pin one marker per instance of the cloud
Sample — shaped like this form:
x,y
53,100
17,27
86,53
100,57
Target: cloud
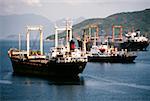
x,y
23,2
57,9
78,2
32,2
10,6
92,1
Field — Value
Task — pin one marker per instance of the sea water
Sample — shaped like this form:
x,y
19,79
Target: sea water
x,y
98,82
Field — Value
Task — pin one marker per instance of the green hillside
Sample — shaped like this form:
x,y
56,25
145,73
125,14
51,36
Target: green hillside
x,y
137,20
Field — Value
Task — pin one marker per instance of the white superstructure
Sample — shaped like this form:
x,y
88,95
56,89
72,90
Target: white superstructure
x,y
63,53
136,37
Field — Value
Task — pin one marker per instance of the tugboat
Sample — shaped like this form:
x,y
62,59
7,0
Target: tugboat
x,y
62,61
135,41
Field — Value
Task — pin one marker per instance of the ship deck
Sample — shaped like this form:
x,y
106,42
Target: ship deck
x,y
37,60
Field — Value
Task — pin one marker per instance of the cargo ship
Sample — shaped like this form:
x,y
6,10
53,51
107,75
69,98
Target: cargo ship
x,y
62,60
110,55
132,41
135,41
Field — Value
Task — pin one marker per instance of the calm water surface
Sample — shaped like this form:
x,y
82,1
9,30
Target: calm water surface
x,y
98,82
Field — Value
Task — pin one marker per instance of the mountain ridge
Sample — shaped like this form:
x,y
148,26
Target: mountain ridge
x,y
13,24
129,20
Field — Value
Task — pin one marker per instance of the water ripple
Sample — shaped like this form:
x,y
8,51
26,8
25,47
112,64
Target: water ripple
x,y
5,82
113,82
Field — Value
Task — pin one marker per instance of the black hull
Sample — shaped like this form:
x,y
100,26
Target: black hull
x,y
134,46
50,69
113,59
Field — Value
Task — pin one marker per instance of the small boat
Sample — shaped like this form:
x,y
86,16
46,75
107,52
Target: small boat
x,y
62,61
135,41
104,54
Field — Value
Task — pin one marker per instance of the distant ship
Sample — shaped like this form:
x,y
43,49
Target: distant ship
x,y
104,51
135,41
109,53
104,54
62,61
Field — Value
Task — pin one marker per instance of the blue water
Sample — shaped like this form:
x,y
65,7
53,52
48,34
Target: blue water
x,y
98,82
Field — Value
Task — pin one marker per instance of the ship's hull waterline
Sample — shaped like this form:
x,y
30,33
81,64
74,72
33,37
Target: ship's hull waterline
x,y
134,46
50,69
112,59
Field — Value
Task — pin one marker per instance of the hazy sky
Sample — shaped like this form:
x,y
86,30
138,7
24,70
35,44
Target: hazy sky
x,y
58,9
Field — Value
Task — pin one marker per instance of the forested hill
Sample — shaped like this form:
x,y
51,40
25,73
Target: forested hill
x,y
129,20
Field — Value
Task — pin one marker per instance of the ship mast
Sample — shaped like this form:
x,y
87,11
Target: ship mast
x,y
19,41
34,28
120,38
68,29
